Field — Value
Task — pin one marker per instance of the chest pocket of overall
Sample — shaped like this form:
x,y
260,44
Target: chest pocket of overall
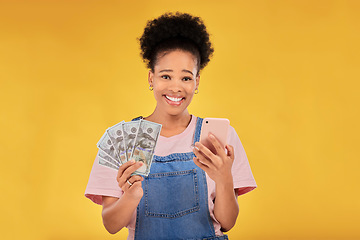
x,y
171,194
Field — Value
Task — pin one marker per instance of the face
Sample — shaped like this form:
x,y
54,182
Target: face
x,y
174,81
147,143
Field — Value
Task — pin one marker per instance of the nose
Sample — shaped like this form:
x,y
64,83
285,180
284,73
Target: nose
x,y
176,85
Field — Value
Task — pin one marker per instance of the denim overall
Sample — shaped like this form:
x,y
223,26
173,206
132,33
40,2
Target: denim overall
x,y
175,200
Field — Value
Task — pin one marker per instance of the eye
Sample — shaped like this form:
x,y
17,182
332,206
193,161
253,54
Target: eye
x,y
187,78
165,76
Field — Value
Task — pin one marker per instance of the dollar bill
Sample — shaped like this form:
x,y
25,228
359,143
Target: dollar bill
x,y
144,146
130,130
107,158
105,163
106,145
117,139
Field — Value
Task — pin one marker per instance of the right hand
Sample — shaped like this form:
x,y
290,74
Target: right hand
x,y
124,174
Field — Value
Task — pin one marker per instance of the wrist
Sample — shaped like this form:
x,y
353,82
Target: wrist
x,y
225,184
132,197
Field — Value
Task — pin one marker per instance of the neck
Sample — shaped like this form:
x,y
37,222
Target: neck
x,y
171,124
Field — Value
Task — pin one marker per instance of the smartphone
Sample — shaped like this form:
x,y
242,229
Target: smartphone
x,y
218,127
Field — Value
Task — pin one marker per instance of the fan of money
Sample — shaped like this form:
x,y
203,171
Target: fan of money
x,y
129,140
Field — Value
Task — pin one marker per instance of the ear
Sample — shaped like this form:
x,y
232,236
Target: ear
x,y
197,81
150,78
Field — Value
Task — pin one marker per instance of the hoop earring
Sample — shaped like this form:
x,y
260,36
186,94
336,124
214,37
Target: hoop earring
x,y
151,88
196,91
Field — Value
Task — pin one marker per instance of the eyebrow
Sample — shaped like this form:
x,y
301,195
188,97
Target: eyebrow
x,y
169,70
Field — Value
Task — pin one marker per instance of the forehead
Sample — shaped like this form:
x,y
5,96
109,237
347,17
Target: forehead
x,y
176,60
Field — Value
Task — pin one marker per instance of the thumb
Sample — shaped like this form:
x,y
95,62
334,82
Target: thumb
x,y
230,151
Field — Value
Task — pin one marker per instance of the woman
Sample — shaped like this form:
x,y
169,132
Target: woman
x,y
177,199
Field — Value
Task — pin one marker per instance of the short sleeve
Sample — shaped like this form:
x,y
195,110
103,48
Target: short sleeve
x,y
243,178
102,182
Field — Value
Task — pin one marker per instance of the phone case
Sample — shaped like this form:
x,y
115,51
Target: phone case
x,y
218,127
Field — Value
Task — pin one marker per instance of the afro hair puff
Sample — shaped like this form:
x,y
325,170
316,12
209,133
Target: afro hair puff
x,y
175,31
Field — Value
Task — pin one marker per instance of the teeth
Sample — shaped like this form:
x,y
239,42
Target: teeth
x,y
173,99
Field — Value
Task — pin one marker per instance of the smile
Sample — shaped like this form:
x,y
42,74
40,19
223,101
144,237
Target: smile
x,y
175,101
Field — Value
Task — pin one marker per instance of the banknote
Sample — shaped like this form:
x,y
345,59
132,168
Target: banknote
x,y
144,146
129,140
107,158
105,163
130,130
117,139
106,145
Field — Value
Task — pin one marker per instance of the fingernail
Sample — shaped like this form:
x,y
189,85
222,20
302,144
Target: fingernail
x,y
132,161
193,146
140,163
211,136
196,148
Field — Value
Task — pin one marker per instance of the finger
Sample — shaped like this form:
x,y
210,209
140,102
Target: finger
x,y
124,185
201,148
123,167
128,183
135,178
200,164
217,145
230,151
132,186
136,184
202,159
128,171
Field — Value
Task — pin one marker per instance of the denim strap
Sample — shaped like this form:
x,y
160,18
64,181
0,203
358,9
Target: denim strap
x,y
198,130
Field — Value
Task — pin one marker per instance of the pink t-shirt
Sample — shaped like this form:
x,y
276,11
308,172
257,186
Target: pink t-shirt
x,y
102,181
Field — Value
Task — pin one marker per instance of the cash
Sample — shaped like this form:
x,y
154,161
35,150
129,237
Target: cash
x,y
130,132
129,140
105,163
117,139
105,145
108,158
144,147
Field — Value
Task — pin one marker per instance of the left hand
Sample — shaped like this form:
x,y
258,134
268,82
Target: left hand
x,y
217,166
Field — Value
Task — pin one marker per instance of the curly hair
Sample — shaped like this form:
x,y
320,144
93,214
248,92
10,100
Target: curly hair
x,y
173,31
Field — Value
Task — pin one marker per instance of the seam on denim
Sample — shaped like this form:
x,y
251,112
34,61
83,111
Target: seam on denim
x,y
223,237
211,225
174,157
180,213
137,220
170,174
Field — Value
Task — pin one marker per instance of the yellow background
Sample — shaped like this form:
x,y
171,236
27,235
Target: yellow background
x,y
286,74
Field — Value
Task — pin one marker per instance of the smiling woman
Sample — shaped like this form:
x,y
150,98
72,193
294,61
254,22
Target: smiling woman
x,y
177,199
174,81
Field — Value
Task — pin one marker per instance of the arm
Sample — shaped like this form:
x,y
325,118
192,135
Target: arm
x,y
226,208
117,212
218,167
